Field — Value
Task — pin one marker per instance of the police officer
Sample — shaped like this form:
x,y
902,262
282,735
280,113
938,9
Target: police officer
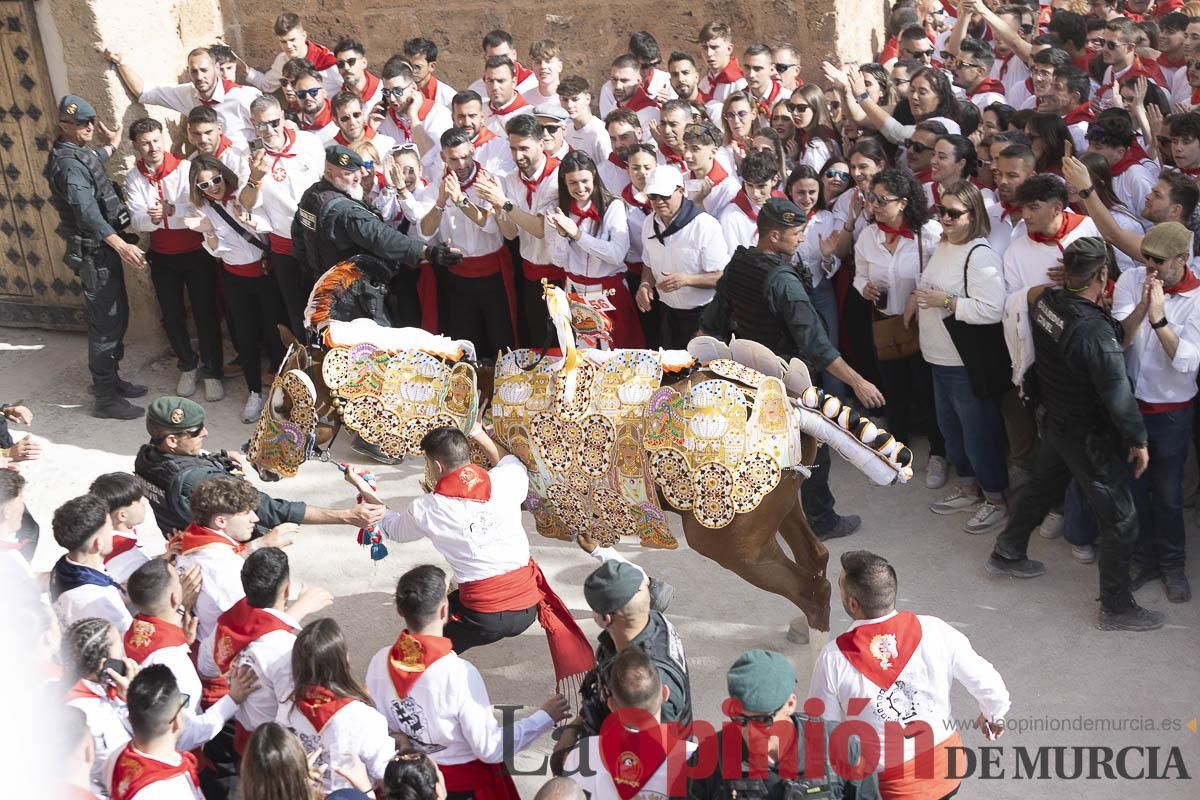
x,y
1090,425
332,224
93,216
762,694
762,297
174,463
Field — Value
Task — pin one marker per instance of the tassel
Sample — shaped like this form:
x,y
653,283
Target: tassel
x,y
370,537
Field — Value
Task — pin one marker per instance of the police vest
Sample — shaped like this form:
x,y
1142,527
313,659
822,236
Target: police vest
x,y
169,480
108,195
774,787
746,282
320,249
1057,319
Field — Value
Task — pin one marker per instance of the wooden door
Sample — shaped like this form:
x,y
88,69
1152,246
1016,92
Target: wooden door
x,y
36,287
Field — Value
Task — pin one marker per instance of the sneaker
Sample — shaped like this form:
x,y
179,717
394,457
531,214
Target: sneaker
x,y
186,387
214,390
1052,526
935,472
1084,553
1134,619
116,408
1014,567
843,527
1140,575
253,407
1176,583
661,593
372,451
964,499
990,517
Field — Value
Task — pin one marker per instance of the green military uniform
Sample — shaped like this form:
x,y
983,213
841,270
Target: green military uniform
x,y
171,477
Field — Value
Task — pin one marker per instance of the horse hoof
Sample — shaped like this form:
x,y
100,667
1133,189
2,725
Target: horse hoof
x,y
798,631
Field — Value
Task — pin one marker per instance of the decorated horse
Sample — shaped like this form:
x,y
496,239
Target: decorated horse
x,y
612,439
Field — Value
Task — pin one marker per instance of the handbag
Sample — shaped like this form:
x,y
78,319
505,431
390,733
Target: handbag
x,y
250,238
982,349
893,339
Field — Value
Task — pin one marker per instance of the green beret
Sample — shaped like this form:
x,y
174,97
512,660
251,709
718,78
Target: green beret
x,y
761,680
343,157
783,213
612,585
175,414
75,109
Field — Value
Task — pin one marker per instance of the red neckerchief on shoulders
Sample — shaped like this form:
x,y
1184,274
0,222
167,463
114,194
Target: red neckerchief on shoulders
x,y
765,104
935,190
732,73
742,201
1170,63
987,85
880,651
629,197
518,102
225,85
671,156
468,482
370,85
484,136
323,118
1133,154
122,543
238,628
617,162
1004,62
165,167
134,771
320,56
429,92
892,235
368,135
81,691
581,214
195,536
147,635
631,755
1188,282
318,705
1070,222
222,146
925,175
639,100
716,173
1080,113
532,184
470,181
1191,172
520,74
1010,210
410,656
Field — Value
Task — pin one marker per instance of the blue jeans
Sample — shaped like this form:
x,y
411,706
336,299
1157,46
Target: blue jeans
x,y
973,429
824,299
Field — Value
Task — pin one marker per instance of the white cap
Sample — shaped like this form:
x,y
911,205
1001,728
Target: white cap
x,y
551,111
664,180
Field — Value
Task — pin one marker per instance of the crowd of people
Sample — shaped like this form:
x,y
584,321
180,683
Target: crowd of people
x,y
988,235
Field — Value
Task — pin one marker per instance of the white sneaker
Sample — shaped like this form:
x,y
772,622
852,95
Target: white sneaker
x,y
1052,526
935,472
214,390
964,499
1083,553
253,407
988,518
186,387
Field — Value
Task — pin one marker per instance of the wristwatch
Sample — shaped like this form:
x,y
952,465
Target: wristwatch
x,y
253,184
1162,323
946,303
1086,193
508,206
861,97
464,203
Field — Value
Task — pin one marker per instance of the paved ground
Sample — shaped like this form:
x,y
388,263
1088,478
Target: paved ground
x,y
1076,686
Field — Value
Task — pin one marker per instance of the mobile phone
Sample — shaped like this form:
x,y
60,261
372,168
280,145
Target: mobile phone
x,y
256,145
695,185
114,664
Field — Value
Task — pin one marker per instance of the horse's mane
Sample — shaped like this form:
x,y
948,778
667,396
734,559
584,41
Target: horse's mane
x,y
329,287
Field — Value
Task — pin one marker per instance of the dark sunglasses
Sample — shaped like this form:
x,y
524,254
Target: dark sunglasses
x,y
834,105
1111,45
658,198
395,91
837,175
782,68
350,116
879,199
309,93
917,147
798,108
952,213
342,63
215,180
271,124
552,129
1149,259
922,53
199,429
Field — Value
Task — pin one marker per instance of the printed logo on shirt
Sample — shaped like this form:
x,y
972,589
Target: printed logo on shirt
x,y
897,703
410,719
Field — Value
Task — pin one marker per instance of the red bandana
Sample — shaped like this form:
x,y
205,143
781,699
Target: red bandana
x,y
168,164
370,86
1195,97
581,214
925,175
485,135
1011,210
532,184
368,135
149,634
516,103
880,651
935,191
239,627
195,536
1004,67
1133,154
222,146
615,161
716,173
521,75
742,201
81,691
639,101
893,235
1069,223
632,756
628,196
321,57
122,543
134,772
476,170
731,74
1188,282
1170,63
468,482
322,119
1080,113
671,156
1191,172
765,104
987,85
318,705
429,91
410,656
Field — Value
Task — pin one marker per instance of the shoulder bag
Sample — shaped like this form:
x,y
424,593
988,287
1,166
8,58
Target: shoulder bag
x,y
981,348
893,339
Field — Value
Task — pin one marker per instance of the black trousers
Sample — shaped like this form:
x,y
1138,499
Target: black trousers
x,y
195,273
679,326
295,285
467,628
815,496
403,304
106,306
257,307
1097,464
651,320
476,309
537,316
908,387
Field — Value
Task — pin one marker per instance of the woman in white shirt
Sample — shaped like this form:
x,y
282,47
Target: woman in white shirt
x,y
965,280
740,123
1101,181
405,200
330,711
815,138
889,256
639,165
251,292
591,243
954,159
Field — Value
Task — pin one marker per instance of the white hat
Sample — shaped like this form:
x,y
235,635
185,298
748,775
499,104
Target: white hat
x,y
551,111
664,180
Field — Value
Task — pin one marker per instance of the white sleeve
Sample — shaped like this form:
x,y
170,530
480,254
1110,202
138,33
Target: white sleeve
x,y
139,217
483,734
613,241
1187,352
401,527
862,265
824,688
177,98
201,728
714,252
108,605
1124,296
378,746
512,476
206,663
978,675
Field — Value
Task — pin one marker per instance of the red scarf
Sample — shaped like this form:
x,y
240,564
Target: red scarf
x,y
468,482
121,543
935,191
1139,68
1165,7
631,757
520,74
410,656
672,157
628,196
1004,62
1069,223
765,104
476,170
321,57
1011,210
485,135
716,173
1188,282
892,235
925,175
150,634
582,214
370,86
1191,172
222,146
1080,113
81,691
880,651
516,103
429,91
1170,63
368,135
1133,154
195,536
1196,96
639,100
732,73
321,120
318,705
742,201
169,163
239,627
135,771
226,85
988,85
532,184
612,159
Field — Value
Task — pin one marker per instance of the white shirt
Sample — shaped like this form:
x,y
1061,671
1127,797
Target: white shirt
x,y
696,248
448,714
495,121
495,156
544,198
270,656
232,105
737,227
1110,81
635,219
413,206
1128,221
233,157
985,305
108,721
592,138
89,600
423,125
823,223
355,730
1133,185
178,659
230,247
613,176
456,229
722,192
529,83
985,99
141,195
717,92
178,787
220,586
1026,262
289,173
599,784
268,81
816,153
1003,227
598,253
535,97
660,80
922,687
479,540
897,271
1157,378
120,567
1014,76
443,93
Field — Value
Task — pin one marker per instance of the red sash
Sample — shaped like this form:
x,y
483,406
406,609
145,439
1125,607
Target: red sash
x,y
239,627
1133,154
631,757
626,325
410,656
135,771
534,273
196,536
1069,223
988,85
318,705
485,781
121,543
320,56
485,266
881,650
149,634
913,780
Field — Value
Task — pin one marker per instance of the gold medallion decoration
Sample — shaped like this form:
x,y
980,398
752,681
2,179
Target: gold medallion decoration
x,y
758,475
728,368
671,473
711,503
596,445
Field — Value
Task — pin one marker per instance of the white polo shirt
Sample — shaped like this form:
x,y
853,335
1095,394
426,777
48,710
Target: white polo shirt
x,y
592,139
270,656
1133,185
543,199
90,600
696,248
1156,377
725,187
142,194
497,118
231,101
737,226
290,171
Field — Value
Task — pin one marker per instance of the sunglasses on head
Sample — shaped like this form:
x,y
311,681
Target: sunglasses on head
x,y
350,116
407,147
309,93
798,108
395,91
215,180
917,147
837,175
952,213
342,63
782,68
266,124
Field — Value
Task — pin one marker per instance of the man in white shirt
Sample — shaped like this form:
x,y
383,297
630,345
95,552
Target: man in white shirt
x,y
438,701
410,116
624,129
655,80
554,122
724,74
739,220
294,43
1159,307
709,184
1120,54
905,665
231,101
500,43
685,252
489,149
164,626
1011,165
972,73
504,101
80,587
627,90
787,67
544,58
354,124
422,56
315,114
1114,136
586,131
351,62
14,569
1049,228
124,496
207,137
761,84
